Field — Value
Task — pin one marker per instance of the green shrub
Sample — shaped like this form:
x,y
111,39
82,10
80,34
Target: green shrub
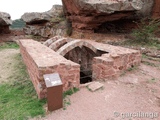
x,y
69,28
57,19
18,24
66,99
70,92
146,30
9,45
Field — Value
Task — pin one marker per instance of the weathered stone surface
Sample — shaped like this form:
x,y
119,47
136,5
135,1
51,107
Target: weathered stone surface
x,y
156,9
45,30
5,19
89,14
44,24
95,86
41,60
37,17
104,65
5,22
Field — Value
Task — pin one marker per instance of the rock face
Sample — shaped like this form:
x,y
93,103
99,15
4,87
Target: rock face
x,y
34,17
5,22
156,9
44,24
89,14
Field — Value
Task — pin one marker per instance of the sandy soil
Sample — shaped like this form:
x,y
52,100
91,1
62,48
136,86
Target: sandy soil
x,y
136,95
7,64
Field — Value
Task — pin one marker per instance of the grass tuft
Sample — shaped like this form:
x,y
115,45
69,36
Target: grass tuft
x,y
66,99
9,45
70,92
18,99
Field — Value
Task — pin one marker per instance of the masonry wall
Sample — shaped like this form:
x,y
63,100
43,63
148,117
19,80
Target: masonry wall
x,y
84,57
41,60
111,61
112,65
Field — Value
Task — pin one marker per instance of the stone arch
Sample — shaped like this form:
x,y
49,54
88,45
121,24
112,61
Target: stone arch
x,y
73,44
51,40
57,44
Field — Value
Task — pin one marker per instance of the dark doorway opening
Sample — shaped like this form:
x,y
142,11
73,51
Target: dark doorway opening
x,y
85,78
84,56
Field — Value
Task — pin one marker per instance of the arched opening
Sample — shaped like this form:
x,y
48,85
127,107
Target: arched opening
x,y
83,56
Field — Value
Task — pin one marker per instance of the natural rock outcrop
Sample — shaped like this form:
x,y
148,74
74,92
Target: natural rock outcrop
x,y
44,24
156,9
5,22
89,14
36,17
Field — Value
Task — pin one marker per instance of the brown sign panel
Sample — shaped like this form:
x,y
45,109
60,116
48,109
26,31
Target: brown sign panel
x,y
54,91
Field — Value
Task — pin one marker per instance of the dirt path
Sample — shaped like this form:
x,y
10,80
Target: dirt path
x,y
7,63
135,94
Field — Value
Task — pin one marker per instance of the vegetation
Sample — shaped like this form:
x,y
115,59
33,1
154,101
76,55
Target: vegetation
x,y
66,100
69,28
59,18
143,36
132,68
18,24
9,45
146,31
35,37
149,63
70,92
153,80
18,99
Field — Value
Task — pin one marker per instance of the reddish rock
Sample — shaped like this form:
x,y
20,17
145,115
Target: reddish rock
x,y
156,9
89,14
4,29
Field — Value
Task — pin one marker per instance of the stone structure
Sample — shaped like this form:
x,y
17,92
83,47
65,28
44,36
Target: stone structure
x,y
101,61
90,14
5,22
41,60
45,24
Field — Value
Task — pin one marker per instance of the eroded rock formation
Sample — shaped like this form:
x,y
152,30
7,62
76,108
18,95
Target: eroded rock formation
x,y
156,9
90,14
5,22
44,24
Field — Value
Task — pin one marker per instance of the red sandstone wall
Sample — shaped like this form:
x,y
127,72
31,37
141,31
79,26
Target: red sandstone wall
x,y
156,9
110,66
113,63
41,60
